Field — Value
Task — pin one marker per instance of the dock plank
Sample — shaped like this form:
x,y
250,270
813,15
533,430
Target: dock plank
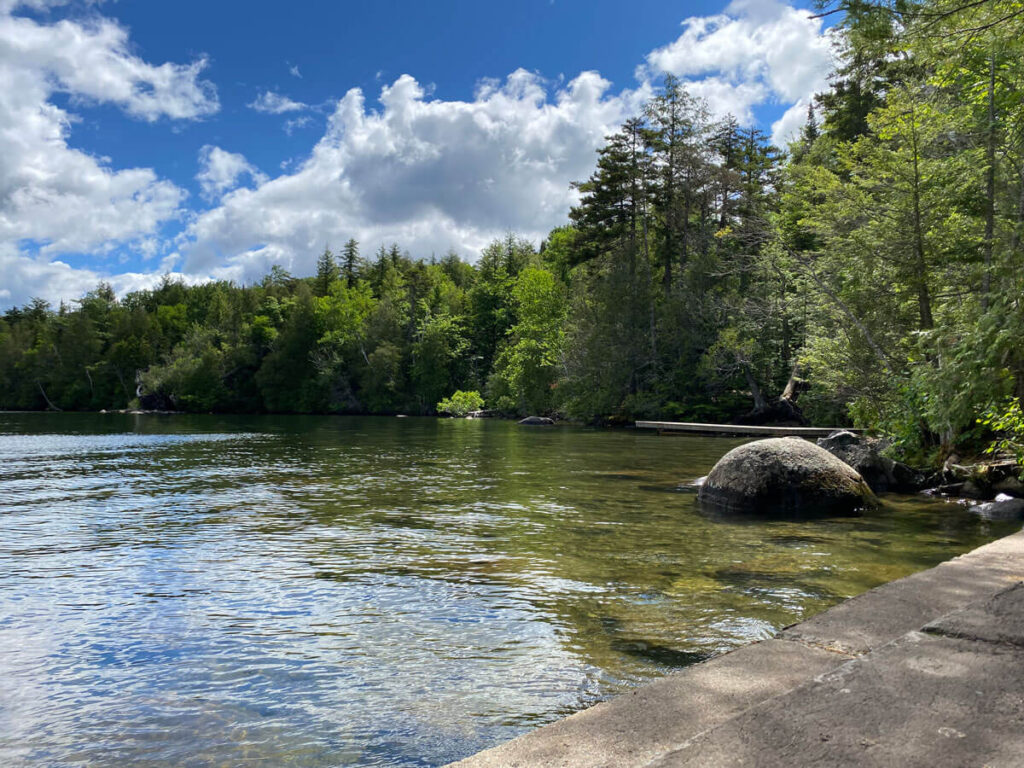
x,y
737,430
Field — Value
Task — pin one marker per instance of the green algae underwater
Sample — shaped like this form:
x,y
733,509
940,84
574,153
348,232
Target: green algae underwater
x,y
326,591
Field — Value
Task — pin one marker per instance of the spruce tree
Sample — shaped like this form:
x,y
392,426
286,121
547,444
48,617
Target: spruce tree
x,y
350,261
326,272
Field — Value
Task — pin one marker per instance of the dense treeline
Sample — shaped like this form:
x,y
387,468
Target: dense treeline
x,y
876,266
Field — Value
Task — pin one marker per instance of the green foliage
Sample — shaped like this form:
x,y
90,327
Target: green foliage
x,y
1007,421
326,273
461,403
528,364
193,374
438,350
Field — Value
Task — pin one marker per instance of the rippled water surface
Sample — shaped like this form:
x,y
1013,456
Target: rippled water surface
x,y
377,591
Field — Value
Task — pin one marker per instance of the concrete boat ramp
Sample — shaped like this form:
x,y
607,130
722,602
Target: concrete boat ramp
x,y
925,671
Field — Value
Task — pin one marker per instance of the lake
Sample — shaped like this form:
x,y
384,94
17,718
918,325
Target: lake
x,y
330,591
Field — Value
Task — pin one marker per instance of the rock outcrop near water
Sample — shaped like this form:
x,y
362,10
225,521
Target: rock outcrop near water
x,y
785,476
536,421
864,454
1003,508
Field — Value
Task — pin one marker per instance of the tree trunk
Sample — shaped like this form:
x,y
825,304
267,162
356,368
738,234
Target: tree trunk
x,y
653,324
666,278
924,303
47,399
684,255
760,404
990,185
794,386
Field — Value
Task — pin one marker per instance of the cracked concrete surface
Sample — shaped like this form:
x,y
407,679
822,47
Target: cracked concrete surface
x,y
924,671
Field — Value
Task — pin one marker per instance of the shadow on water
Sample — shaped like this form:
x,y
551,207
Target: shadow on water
x,y
318,591
658,654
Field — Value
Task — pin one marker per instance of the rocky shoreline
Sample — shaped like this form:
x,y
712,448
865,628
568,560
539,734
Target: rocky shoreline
x,y
992,489
841,474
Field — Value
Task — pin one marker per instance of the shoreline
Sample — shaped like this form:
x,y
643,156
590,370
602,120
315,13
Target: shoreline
x,y
919,671
950,482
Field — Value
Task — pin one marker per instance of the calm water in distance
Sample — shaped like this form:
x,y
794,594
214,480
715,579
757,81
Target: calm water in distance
x,y
330,591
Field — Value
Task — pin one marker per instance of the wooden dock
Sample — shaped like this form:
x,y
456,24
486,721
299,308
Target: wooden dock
x,y
736,430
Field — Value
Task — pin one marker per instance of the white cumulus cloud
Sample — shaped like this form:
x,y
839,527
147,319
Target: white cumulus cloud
x,y
220,170
58,199
428,173
754,52
434,174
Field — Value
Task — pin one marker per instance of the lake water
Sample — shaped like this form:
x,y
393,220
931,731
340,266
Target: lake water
x,y
326,591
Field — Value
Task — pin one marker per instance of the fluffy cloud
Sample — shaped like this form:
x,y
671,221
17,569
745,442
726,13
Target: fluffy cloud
x,y
58,199
92,62
220,171
427,173
756,51
275,103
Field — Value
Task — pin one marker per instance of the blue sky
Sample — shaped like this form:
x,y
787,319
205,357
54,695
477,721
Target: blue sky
x,y
210,140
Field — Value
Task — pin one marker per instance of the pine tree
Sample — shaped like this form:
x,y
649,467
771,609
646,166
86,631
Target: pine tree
x,y
615,199
350,263
326,272
676,137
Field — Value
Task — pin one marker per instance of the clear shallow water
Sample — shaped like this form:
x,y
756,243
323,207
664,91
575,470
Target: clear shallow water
x,y
375,591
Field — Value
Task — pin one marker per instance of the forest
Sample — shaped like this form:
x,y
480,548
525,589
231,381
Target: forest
x,y
870,273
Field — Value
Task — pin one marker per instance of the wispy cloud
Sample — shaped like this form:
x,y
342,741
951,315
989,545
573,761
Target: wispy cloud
x,y
276,104
290,126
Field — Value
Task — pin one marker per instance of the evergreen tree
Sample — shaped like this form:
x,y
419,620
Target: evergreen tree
x,y
326,273
350,262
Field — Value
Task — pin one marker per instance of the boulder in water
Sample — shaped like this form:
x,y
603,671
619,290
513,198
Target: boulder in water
x,y
785,476
536,421
1003,508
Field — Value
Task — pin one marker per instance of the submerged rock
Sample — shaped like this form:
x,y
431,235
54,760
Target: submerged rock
x,y
536,421
785,476
864,454
1003,508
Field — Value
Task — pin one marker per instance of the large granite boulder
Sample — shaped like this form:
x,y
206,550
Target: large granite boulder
x,y
784,476
864,454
